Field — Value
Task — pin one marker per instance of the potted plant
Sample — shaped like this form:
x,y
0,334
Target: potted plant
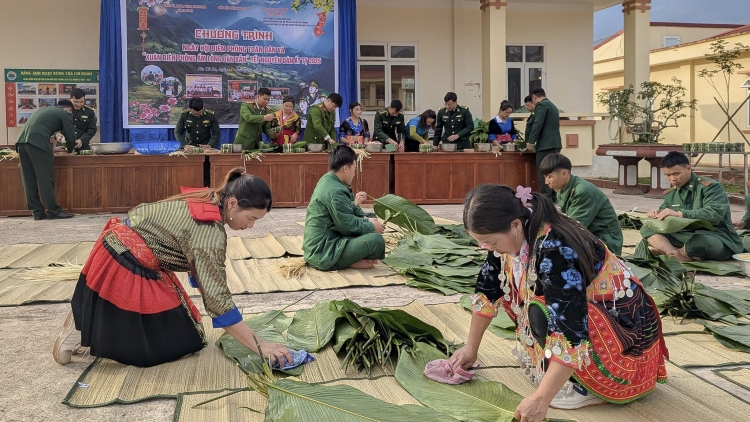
x,y
480,136
645,115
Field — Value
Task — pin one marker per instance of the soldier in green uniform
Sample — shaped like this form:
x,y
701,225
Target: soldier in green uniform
x,y
580,200
529,103
744,223
338,234
544,136
255,120
37,158
698,198
84,119
390,127
197,126
321,121
454,123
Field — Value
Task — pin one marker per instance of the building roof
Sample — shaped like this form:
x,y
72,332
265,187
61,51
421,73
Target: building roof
x,y
733,28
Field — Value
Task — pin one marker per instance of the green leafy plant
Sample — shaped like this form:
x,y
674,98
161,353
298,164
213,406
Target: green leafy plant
x,y
404,213
481,132
651,110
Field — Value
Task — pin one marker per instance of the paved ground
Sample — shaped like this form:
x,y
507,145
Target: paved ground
x,y
33,384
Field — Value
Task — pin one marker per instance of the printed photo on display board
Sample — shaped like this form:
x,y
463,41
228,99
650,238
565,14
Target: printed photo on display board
x,y
23,118
88,89
47,89
27,104
224,51
203,86
67,88
244,91
47,102
26,89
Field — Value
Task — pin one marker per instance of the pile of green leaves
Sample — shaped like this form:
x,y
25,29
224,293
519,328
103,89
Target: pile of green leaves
x,y
366,337
629,222
456,233
501,325
436,263
363,337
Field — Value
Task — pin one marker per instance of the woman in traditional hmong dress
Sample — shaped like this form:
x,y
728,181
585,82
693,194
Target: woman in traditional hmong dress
x,y
289,121
587,331
129,306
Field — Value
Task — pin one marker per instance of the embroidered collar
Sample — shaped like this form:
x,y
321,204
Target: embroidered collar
x,y
200,209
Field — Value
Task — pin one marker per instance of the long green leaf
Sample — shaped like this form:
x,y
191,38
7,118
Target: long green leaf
x,y
501,325
247,360
478,400
714,267
291,400
733,337
676,224
313,328
739,305
412,217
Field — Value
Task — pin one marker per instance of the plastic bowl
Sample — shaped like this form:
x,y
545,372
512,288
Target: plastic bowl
x,y
111,148
744,259
156,147
449,147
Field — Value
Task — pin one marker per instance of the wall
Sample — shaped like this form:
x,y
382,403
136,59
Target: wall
x,y
567,35
35,43
685,63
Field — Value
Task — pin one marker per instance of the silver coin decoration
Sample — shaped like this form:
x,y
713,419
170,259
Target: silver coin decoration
x,y
496,253
621,294
629,293
626,283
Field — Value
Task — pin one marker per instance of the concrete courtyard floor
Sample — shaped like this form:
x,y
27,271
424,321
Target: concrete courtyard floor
x,y
34,385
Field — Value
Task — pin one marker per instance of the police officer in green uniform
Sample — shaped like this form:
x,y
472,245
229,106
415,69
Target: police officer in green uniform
x,y
84,119
197,126
698,198
255,120
390,127
544,136
37,158
321,122
744,223
580,200
454,123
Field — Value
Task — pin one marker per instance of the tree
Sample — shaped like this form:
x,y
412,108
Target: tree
x,y
658,107
723,59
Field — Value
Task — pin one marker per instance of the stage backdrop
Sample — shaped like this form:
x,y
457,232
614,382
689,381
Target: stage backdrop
x,y
224,51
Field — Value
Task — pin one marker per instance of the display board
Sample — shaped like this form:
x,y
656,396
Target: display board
x,y
223,51
28,90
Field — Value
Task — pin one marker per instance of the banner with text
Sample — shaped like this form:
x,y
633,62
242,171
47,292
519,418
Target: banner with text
x,y
223,51
28,90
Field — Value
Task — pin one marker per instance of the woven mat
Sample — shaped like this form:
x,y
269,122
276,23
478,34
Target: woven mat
x,y
737,376
261,248
15,291
631,238
701,350
32,255
209,370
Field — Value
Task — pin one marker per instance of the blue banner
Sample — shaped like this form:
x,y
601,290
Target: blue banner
x,y
224,51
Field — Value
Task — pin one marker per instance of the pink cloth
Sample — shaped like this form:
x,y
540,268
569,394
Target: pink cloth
x,y
441,370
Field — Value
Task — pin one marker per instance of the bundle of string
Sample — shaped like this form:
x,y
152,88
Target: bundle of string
x,y
7,154
294,268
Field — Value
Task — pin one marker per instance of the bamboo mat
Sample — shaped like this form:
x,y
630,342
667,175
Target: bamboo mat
x,y
15,291
737,376
210,370
33,255
701,350
260,248
630,239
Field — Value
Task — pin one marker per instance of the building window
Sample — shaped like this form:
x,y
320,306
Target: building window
x,y
526,71
670,40
387,72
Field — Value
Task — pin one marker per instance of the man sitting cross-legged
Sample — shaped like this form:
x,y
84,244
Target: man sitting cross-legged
x,y
697,198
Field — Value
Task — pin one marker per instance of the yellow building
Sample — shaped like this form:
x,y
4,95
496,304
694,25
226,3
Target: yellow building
x,y
685,62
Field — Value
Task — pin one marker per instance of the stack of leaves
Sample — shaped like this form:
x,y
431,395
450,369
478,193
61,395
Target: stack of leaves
x,y
627,221
456,233
366,337
436,263
745,236
501,325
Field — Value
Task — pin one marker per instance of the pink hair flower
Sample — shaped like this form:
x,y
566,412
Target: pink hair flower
x,y
524,194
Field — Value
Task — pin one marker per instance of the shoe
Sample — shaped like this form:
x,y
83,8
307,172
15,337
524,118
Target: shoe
x,y
59,216
573,396
40,217
68,342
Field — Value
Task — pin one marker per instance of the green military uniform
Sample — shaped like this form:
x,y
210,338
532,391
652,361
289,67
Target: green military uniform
x,y
337,232
198,130
84,122
529,125
746,217
457,122
37,158
702,198
252,126
320,123
389,127
545,136
585,203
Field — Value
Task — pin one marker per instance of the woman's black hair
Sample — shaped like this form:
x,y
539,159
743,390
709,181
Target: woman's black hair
x,y
352,105
427,114
249,190
492,208
342,155
506,105
288,99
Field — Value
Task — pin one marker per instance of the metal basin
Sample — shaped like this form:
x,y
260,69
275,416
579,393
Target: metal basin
x,y
374,147
449,147
485,147
315,147
744,259
111,148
